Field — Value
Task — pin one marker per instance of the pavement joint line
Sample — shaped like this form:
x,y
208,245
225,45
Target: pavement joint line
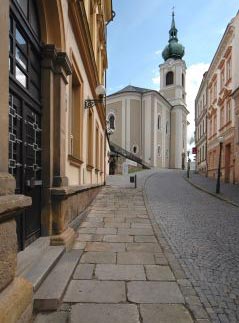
x,y
210,193
161,236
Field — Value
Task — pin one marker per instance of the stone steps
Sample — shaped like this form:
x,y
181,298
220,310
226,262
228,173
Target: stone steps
x,y
50,294
39,271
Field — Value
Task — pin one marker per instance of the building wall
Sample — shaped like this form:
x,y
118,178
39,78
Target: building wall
x,y
223,79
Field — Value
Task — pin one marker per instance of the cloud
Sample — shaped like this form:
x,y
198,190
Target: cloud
x,y
158,52
193,80
156,80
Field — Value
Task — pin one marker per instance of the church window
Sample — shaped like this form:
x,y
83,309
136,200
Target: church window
x,y
166,127
135,149
111,119
169,78
183,80
159,151
159,122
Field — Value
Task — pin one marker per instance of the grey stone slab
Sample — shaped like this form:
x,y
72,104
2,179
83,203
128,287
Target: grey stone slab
x,y
120,272
118,238
138,232
38,272
106,231
117,225
98,258
87,230
93,291
156,272
141,226
154,292
142,246
56,317
105,246
145,239
89,237
79,245
104,313
165,313
50,293
135,258
84,271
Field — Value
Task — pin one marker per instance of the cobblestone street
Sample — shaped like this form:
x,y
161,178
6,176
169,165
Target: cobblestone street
x,y
203,233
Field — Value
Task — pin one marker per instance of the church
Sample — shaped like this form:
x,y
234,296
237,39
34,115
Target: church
x,y
151,124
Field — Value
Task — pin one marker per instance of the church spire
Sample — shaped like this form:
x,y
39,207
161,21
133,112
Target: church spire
x,y
174,49
173,31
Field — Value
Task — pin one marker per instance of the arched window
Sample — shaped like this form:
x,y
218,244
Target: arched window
x,y
135,149
169,78
166,127
159,122
111,121
183,81
159,151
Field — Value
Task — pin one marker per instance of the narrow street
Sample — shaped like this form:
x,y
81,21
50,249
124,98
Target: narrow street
x,y
203,234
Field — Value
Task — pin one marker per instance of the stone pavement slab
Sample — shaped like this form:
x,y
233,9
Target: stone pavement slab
x,y
118,238
164,313
120,272
104,313
135,258
145,239
104,246
144,247
84,271
55,317
98,257
156,272
154,292
92,291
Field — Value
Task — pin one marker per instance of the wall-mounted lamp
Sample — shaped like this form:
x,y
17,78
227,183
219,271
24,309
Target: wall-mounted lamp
x,y
100,92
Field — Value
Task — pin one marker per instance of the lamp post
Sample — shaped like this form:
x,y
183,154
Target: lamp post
x,y
220,139
188,166
100,92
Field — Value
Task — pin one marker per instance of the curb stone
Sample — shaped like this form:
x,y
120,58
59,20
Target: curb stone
x,y
211,193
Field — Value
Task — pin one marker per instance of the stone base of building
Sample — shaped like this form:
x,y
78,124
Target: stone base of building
x,y
16,302
66,239
67,204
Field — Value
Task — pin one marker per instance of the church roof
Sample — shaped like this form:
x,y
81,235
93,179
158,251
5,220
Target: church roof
x,y
131,88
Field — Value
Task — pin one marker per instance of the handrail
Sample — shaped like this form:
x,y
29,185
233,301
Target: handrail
x,y
123,152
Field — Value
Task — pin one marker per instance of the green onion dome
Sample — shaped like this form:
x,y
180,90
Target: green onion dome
x,y
174,49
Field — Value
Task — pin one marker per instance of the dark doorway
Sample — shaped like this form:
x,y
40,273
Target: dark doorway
x,y
25,114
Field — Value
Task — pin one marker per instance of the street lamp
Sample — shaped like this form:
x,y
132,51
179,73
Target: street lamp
x,y
100,92
220,139
188,166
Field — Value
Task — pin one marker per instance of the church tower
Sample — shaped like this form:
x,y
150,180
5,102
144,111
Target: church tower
x,y
172,87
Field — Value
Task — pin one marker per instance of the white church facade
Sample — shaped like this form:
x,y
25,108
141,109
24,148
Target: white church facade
x,y
153,124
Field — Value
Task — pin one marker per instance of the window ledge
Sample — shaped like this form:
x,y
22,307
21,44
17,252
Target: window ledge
x,y
75,161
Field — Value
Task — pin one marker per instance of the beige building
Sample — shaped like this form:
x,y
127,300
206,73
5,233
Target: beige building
x,y
153,124
222,81
201,127
52,149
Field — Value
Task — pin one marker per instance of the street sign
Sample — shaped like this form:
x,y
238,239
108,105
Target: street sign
x,y
194,150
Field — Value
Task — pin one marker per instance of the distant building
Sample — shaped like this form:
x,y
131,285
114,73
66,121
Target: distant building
x,y
201,127
151,124
222,83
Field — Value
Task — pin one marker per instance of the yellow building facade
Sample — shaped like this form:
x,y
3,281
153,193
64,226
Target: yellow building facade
x,y
52,149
